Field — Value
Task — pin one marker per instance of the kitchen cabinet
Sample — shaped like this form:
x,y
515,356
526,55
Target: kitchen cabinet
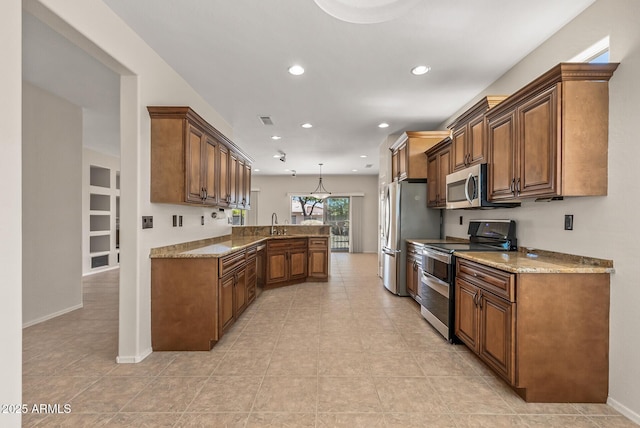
x,y
438,165
407,154
286,261
318,258
549,139
192,162
194,301
545,334
468,145
413,267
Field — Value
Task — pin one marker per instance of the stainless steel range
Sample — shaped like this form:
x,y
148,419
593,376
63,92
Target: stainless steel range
x,y
438,269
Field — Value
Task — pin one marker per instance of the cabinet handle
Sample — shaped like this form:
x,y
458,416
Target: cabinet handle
x,y
518,186
206,194
512,187
480,299
477,275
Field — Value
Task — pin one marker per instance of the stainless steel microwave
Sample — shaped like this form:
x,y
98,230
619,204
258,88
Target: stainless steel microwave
x,y
467,188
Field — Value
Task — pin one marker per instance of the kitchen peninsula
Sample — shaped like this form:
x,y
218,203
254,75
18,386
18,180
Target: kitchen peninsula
x,y
200,288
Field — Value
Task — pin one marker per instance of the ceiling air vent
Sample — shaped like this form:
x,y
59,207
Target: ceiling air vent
x,y
369,165
266,120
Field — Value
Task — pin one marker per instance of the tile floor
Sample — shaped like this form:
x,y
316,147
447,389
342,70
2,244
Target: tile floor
x,y
342,353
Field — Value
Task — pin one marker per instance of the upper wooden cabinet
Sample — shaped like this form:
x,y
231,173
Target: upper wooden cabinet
x,y
468,137
407,154
193,163
550,139
439,165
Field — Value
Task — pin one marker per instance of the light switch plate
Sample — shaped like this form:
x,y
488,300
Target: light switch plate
x,y
147,221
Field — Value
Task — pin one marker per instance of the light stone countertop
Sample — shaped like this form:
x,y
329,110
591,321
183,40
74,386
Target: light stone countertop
x,y
538,261
214,247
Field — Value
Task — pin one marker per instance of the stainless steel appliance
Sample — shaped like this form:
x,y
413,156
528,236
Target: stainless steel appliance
x,y
405,215
467,188
437,287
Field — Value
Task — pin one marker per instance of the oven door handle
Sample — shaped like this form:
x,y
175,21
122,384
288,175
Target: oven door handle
x,y
427,278
436,255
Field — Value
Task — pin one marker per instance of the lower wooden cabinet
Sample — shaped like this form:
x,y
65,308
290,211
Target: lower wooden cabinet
x,y
414,264
318,259
546,334
286,261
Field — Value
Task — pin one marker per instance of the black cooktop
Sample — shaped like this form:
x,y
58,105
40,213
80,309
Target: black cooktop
x,y
460,246
484,235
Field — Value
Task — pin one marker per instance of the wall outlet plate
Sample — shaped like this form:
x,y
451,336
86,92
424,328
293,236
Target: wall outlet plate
x,y
147,221
568,222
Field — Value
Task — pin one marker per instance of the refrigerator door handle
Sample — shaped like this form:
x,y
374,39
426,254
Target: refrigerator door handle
x,y
390,252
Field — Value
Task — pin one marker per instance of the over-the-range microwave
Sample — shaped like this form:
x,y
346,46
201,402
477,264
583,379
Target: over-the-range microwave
x,y
467,188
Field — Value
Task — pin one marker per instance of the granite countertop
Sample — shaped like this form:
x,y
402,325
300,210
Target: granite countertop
x,y
214,247
538,261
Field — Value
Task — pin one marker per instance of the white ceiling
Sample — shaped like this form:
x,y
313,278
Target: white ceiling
x,y
236,54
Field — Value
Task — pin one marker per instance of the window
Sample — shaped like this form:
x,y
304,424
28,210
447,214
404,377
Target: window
x,y
238,217
596,53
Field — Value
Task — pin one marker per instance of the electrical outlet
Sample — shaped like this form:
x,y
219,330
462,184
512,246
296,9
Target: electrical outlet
x,y
180,221
147,222
175,221
202,220
460,220
568,222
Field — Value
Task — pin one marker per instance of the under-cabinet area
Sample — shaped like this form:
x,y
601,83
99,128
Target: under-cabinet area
x,y
540,325
199,289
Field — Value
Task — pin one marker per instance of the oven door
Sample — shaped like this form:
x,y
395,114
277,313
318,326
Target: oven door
x,y
435,304
437,264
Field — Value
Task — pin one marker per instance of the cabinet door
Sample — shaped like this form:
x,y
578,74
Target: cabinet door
x,y
459,149
412,273
247,185
240,184
432,181
276,267
194,165
403,164
318,264
233,179
394,165
210,170
240,300
466,315
225,302
224,194
252,278
444,169
297,264
497,334
502,152
476,145
537,137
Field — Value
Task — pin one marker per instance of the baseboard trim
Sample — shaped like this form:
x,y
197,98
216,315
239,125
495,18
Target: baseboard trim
x,y
133,359
50,316
627,412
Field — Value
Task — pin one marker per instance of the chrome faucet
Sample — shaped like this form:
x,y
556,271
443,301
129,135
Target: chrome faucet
x,y
274,221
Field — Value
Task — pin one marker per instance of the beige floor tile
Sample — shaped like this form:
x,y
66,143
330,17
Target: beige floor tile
x,y
287,394
407,394
347,394
343,363
281,420
489,421
153,365
469,395
199,364
560,421
109,394
444,364
293,363
76,420
393,364
298,341
53,389
612,422
144,420
166,394
410,420
262,343
212,420
226,394
350,420
243,363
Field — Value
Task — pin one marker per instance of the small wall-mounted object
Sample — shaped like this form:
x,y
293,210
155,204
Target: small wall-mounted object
x,y
180,221
147,222
568,222
202,220
175,221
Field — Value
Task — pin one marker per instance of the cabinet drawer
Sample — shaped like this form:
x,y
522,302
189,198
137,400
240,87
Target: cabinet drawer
x,y
251,251
318,243
498,282
286,244
230,262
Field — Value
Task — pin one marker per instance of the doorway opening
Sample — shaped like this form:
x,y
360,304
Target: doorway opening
x,y
333,211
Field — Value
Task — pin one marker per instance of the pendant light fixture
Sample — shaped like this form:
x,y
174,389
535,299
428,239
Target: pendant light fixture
x,y
320,192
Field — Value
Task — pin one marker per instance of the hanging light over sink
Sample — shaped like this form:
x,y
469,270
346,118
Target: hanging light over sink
x,y
320,192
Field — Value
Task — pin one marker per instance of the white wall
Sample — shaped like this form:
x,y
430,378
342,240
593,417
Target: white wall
x,y
11,215
146,80
51,205
274,190
605,227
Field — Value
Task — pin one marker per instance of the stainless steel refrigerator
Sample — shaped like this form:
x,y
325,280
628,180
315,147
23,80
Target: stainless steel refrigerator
x,y
405,216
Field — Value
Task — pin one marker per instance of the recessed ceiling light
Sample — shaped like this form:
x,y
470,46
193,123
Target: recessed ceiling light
x,y
307,125
256,170
275,137
419,70
354,170
277,156
383,125
363,156
296,70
